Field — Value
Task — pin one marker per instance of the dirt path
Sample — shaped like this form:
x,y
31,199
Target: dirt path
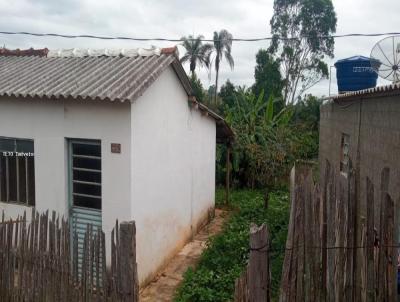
x,y
162,288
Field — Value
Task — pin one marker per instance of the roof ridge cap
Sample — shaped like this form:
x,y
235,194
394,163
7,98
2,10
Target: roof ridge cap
x,y
5,52
100,52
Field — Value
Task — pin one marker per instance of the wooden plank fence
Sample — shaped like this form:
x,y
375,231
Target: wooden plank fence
x,y
254,285
39,262
339,247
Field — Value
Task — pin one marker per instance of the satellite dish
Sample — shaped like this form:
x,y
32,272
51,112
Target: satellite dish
x,y
385,58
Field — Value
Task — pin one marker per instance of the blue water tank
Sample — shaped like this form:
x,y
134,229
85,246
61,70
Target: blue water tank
x,y
356,73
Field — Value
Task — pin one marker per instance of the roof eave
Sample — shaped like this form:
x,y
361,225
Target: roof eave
x,y
224,134
380,91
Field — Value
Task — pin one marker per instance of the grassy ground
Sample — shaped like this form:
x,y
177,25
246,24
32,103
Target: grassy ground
x,y
227,253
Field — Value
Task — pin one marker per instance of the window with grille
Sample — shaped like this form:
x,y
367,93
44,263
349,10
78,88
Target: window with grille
x,y
345,156
17,171
86,174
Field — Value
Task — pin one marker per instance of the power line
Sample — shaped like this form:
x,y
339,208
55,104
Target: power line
x,y
180,40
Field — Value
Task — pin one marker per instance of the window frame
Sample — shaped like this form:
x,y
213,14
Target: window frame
x,y
30,184
344,154
71,168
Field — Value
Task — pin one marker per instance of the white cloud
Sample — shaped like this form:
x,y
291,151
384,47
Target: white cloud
x,y
176,18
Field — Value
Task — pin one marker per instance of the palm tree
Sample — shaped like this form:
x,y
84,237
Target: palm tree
x,y
222,48
196,52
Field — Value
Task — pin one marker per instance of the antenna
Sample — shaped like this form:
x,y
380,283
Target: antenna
x,y
385,58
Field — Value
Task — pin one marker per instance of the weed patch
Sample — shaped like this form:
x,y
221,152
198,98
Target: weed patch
x,y
227,253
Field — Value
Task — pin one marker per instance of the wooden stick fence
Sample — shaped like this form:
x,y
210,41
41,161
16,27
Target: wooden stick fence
x,y
255,283
39,262
339,247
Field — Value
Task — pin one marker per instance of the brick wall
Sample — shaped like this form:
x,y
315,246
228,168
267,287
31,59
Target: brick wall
x,y
374,125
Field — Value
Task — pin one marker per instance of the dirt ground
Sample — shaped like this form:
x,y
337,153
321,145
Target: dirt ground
x,y
162,288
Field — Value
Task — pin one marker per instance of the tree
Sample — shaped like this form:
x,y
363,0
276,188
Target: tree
x,y
302,36
196,52
210,93
227,94
306,112
268,78
222,48
264,147
197,87
267,75
306,118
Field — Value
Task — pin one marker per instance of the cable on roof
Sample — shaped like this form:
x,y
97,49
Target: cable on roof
x,y
180,40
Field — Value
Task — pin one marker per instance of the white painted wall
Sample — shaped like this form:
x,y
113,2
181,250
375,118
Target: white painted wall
x,y
173,171
49,123
166,168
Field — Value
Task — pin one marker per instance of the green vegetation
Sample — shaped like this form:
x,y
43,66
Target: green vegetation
x,y
196,53
199,53
267,76
302,36
197,86
222,48
268,141
264,140
227,253
275,124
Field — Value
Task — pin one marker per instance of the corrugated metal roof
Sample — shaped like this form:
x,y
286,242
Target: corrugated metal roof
x,y
113,75
114,78
388,89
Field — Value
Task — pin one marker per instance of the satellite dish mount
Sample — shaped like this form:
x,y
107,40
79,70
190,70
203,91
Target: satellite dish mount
x,y
385,58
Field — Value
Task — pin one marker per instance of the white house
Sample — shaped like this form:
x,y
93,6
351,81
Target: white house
x,y
100,135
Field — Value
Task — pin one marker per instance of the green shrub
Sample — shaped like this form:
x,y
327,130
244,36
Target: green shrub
x,y
227,253
267,141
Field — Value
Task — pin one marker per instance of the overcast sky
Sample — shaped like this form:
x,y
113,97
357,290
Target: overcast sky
x,y
177,18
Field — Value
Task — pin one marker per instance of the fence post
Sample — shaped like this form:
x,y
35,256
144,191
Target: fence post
x,y
241,288
285,286
128,277
254,285
259,270
370,241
